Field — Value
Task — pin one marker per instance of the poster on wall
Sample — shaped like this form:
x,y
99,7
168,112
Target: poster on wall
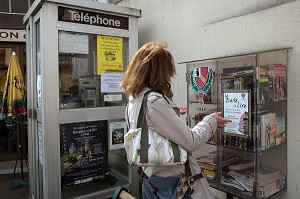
x,y
109,53
116,134
84,152
236,107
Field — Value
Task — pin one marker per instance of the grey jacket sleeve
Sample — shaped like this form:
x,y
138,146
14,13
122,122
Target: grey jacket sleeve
x,y
163,119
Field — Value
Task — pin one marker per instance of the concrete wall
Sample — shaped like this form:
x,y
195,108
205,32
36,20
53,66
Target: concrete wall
x,y
195,30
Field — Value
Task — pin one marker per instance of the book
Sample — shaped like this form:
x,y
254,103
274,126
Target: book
x,y
239,83
211,158
265,89
271,188
265,173
270,179
280,134
210,174
280,124
210,161
230,181
210,166
278,72
268,131
245,180
246,164
227,84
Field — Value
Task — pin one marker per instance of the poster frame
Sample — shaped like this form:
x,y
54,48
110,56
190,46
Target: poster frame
x,y
111,127
237,92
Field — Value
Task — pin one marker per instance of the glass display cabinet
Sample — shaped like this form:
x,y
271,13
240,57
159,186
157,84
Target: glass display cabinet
x,y
248,157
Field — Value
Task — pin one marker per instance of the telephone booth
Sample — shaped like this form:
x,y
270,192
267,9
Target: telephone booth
x,y
77,52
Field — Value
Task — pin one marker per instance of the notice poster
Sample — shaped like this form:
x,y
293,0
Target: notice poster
x,y
73,43
110,82
236,107
117,131
109,53
84,152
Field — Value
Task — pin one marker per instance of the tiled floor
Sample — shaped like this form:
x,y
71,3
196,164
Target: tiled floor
x,y
20,189
8,193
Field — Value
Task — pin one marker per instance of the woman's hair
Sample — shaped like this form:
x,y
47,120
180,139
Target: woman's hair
x,y
152,66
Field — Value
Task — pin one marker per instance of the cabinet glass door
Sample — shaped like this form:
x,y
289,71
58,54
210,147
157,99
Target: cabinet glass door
x,y
272,120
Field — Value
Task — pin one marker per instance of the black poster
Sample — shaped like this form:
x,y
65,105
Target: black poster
x,y
84,152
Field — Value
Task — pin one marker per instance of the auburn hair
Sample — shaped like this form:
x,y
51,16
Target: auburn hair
x,y
151,66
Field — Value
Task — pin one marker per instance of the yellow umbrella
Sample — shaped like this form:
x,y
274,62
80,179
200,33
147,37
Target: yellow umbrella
x,y
14,107
14,97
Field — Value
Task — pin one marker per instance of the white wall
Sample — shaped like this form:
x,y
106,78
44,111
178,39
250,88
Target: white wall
x,y
199,29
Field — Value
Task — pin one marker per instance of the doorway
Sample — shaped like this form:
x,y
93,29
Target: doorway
x,y
8,134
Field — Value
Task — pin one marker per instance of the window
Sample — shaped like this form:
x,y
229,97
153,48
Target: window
x,y
90,70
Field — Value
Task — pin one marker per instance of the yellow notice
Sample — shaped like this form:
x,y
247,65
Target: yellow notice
x,y
109,53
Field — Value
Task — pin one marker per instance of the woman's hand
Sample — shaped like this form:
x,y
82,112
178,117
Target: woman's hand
x,y
183,110
220,120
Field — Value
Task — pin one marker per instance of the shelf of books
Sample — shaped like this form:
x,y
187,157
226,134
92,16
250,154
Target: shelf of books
x,y
248,157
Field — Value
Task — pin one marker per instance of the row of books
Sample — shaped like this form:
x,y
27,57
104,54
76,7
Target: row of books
x,y
272,83
271,86
238,142
272,131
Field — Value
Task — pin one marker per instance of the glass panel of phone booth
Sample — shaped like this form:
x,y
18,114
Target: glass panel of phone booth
x,y
272,114
237,77
202,100
90,70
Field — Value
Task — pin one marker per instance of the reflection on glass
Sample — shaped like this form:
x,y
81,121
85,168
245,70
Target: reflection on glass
x,y
90,69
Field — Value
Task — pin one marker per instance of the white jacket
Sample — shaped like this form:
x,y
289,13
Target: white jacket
x,y
162,119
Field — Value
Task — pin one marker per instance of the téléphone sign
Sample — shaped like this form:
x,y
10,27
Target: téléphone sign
x,y
236,107
92,18
12,35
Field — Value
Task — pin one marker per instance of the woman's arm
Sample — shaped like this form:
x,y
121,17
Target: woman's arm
x,y
162,119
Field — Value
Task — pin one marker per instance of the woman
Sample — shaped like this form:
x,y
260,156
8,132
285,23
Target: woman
x,y
152,67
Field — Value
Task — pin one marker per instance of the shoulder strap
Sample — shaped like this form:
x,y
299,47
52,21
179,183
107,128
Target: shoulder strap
x,y
127,116
142,123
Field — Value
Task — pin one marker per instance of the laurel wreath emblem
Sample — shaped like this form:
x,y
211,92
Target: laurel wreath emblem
x,y
208,84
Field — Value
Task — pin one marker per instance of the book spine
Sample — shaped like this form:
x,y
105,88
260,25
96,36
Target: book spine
x,y
271,189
